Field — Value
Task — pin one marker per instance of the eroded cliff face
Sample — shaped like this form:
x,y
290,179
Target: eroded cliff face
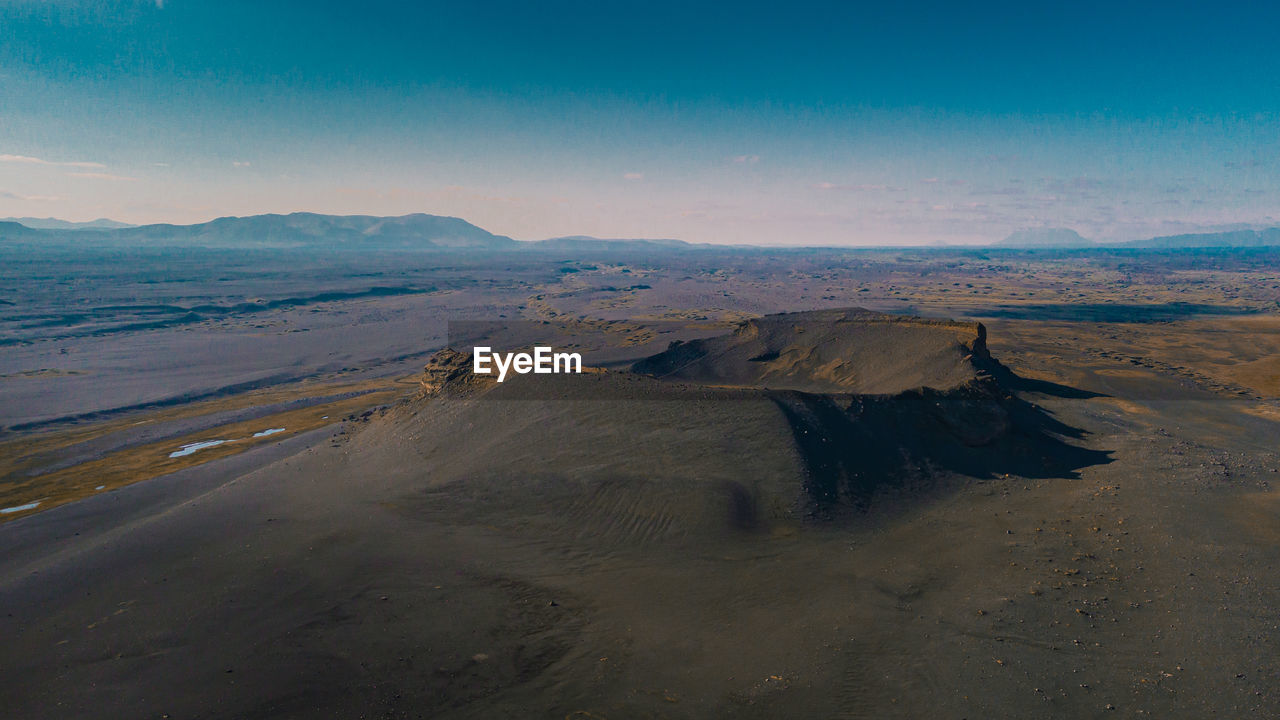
x,y
878,405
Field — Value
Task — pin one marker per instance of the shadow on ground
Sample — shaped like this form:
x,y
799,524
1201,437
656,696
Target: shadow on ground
x,y
865,450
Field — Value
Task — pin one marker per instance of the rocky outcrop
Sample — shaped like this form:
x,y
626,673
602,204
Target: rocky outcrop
x,y
450,371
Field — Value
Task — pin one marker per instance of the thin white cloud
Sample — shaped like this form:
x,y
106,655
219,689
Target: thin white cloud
x,y
633,176
27,160
747,159
858,187
5,194
101,176
240,163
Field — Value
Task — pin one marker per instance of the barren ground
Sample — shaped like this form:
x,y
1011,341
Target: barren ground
x,y
317,572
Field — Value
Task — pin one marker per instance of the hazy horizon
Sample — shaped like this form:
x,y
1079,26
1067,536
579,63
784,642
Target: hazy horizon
x,y
812,125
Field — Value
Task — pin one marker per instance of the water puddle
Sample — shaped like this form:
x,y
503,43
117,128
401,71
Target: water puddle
x,y
20,508
190,448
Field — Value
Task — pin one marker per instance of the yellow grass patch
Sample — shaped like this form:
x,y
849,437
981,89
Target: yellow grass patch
x,y
143,462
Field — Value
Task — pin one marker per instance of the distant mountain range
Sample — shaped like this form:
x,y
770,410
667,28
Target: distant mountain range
x,y
305,230
1269,237
297,230
434,232
586,242
56,224
1068,238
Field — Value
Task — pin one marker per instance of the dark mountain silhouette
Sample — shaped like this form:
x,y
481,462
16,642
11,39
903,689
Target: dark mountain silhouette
x,y
588,243
56,224
11,230
1045,237
1269,237
296,230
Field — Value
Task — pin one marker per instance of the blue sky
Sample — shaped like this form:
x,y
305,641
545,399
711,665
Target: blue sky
x,y
789,123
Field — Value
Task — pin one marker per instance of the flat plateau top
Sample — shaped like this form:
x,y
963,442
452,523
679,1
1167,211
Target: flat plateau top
x,y
848,351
